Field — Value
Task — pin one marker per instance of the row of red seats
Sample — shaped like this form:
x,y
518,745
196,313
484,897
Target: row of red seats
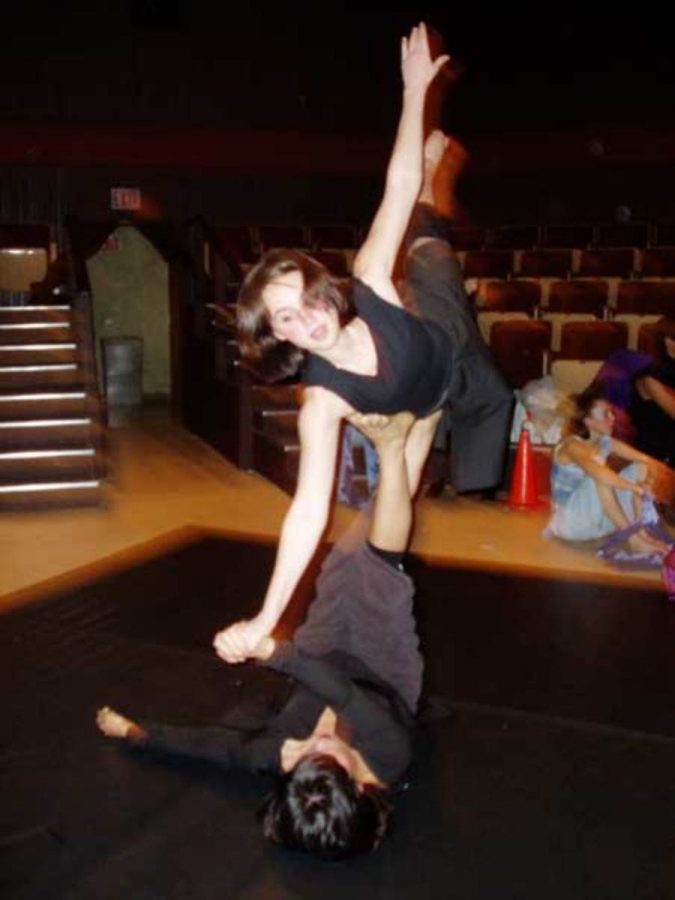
x,y
594,297
613,262
522,347
246,242
565,236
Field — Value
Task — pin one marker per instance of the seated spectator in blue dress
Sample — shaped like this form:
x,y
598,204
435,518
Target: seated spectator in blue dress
x,y
591,500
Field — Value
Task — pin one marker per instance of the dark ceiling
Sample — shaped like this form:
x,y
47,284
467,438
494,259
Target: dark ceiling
x,y
327,68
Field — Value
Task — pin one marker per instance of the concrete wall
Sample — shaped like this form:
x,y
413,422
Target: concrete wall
x,y
130,286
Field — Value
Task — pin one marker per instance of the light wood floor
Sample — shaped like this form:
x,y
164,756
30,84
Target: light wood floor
x,y
167,488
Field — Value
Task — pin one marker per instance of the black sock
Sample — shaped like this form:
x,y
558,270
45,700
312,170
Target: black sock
x,y
392,557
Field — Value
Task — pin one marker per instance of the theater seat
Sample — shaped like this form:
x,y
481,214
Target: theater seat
x,y
545,263
591,340
336,261
571,236
294,236
612,262
333,237
646,298
487,319
520,349
590,297
508,296
635,325
658,262
559,320
515,237
614,234
649,337
467,238
572,376
488,263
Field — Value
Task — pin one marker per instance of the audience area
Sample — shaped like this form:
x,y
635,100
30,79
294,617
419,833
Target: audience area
x,y
550,299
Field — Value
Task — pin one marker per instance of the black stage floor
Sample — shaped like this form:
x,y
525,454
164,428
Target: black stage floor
x,y
553,777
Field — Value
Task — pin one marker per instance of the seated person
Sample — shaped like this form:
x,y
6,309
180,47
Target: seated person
x,y
653,406
344,736
591,500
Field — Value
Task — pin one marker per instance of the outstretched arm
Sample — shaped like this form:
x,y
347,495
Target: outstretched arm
x,y
319,427
374,263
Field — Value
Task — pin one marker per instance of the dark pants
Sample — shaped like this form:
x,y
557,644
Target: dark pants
x,y
478,398
363,608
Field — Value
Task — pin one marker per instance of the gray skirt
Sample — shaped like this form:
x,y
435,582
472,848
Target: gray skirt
x,y
364,607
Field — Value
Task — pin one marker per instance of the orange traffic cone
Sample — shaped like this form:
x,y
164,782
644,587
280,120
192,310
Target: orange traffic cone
x,y
524,492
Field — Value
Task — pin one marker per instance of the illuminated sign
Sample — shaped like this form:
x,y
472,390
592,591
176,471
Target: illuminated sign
x,y
125,198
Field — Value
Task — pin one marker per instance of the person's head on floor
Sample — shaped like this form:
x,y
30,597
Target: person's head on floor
x,y
319,808
289,304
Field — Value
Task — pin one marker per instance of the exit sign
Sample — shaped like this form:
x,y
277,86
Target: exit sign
x,y
125,198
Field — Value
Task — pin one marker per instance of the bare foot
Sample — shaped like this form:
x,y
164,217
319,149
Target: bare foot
x,y
444,160
112,724
641,542
659,546
434,148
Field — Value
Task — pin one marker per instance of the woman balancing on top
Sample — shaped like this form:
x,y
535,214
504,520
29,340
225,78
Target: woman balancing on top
x,y
367,354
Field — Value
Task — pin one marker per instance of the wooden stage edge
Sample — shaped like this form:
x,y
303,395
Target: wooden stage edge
x,y
189,534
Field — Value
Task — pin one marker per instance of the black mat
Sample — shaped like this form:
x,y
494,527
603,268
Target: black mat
x,y
552,778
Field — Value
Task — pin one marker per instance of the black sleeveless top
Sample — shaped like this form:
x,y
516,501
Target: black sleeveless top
x,y
414,362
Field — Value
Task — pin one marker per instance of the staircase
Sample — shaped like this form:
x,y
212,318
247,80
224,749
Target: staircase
x,y
276,444
51,452
262,417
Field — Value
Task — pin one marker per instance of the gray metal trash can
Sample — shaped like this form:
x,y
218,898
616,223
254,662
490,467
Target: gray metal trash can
x,y
123,370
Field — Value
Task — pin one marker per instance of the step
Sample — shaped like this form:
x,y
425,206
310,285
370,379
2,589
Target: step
x,y
280,420
278,464
42,405
35,332
36,377
283,397
37,353
80,463
282,431
51,495
41,434
21,314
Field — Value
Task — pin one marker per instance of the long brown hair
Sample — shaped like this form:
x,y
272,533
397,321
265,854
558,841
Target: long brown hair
x,y
269,357
583,403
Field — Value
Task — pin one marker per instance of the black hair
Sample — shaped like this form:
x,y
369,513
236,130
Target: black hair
x,y
319,809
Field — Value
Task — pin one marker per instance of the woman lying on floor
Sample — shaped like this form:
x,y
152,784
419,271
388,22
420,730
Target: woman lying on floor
x,y
590,499
344,736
